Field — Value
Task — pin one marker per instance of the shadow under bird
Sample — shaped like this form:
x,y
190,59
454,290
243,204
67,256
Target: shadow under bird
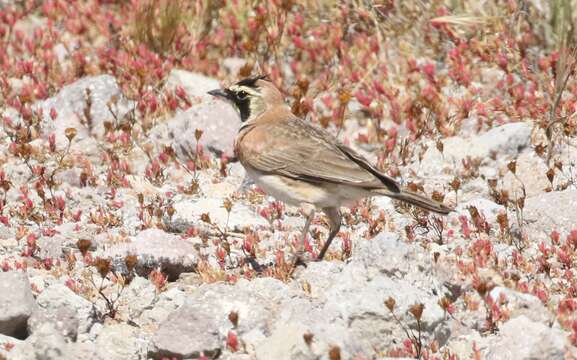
x,y
304,165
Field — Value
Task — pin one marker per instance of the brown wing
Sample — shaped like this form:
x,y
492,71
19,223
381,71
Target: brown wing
x,y
296,149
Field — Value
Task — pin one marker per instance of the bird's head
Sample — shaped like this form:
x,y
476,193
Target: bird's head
x,y
251,96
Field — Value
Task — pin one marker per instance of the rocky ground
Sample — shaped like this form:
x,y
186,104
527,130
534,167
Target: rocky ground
x,y
383,291
129,231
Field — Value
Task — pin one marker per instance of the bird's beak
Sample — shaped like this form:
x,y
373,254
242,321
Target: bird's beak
x,y
221,93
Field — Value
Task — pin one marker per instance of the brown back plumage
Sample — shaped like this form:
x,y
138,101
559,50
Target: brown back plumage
x,y
275,141
281,143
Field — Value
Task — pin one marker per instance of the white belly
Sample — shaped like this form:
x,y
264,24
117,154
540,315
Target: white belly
x,y
296,192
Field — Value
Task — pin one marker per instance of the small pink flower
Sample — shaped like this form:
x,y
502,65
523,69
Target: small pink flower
x,y
429,70
232,341
53,114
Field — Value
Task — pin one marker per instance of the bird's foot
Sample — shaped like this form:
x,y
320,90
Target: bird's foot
x,y
256,266
301,258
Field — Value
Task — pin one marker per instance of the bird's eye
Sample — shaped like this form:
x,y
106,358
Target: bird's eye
x,y
241,95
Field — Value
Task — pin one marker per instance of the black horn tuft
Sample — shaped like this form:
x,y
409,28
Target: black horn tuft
x,y
251,82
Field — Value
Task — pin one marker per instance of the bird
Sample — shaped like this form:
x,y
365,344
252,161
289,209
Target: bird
x,y
303,165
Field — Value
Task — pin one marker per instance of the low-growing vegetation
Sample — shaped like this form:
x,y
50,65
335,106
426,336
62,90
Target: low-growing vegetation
x,y
410,84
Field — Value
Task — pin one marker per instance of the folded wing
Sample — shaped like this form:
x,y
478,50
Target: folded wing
x,y
318,157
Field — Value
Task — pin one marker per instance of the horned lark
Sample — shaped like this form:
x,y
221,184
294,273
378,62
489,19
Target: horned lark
x,y
301,164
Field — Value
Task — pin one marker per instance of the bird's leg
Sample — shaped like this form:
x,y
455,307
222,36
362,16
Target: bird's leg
x,y
309,212
334,216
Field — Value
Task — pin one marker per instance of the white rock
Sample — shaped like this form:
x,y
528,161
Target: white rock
x,y
118,342
193,83
197,334
287,343
16,303
555,210
49,344
532,172
61,52
208,308
507,141
522,304
46,344
70,103
64,319
140,295
189,213
168,301
6,234
346,305
486,208
462,346
492,75
155,248
520,338
58,295
218,121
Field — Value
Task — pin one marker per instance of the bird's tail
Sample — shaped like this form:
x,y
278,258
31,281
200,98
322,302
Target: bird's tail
x,y
417,200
